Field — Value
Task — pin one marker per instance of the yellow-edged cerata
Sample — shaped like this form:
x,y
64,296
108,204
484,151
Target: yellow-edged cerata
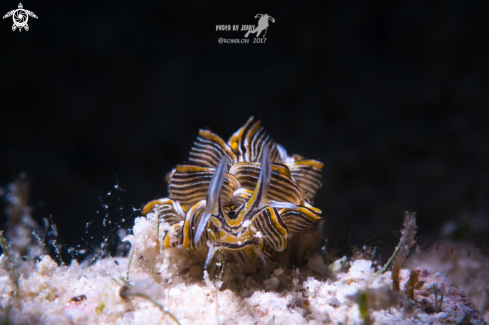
x,y
245,196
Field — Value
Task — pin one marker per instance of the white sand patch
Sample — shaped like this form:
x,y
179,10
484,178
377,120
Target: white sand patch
x,y
175,281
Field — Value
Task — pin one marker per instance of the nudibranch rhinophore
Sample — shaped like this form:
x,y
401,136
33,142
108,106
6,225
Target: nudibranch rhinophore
x,y
245,196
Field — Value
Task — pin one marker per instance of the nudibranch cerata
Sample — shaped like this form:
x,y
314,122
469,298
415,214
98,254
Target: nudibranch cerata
x,y
245,196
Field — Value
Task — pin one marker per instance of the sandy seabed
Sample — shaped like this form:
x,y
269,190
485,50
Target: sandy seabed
x,y
170,286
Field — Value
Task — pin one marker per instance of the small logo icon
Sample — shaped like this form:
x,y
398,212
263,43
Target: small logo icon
x,y
20,17
262,25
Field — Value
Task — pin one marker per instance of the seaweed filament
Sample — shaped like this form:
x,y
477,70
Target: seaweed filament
x,y
402,250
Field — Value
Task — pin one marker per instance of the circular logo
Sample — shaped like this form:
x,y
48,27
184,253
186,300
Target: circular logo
x,y
20,17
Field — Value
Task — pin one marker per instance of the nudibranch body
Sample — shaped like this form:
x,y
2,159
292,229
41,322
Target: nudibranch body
x,y
245,196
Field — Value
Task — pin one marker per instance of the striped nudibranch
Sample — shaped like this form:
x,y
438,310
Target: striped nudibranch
x,y
245,196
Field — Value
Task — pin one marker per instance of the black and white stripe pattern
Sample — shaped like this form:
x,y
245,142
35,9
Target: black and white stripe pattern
x,y
252,138
209,149
167,209
189,185
269,252
173,237
282,186
301,220
192,220
264,198
307,174
241,196
272,228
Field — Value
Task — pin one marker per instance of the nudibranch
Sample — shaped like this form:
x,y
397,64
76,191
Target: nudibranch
x,y
245,196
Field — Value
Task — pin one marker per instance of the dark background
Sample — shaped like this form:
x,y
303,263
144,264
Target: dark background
x,y
392,96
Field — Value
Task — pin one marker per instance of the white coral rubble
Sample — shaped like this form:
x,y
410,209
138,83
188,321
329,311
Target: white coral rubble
x,y
173,280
